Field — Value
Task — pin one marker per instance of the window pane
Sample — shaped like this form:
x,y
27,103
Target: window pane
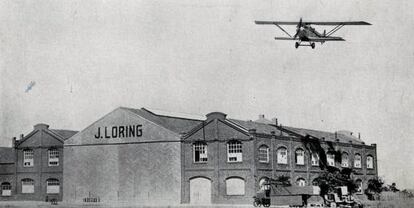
x,y
282,155
263,154
234,151
200,152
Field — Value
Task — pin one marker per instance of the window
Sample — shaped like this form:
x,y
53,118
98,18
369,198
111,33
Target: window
x,y
301,182
5,189
53,157
370,162
28,158
263,154
330,159
27,186
282,155
357,161
344,160
300,157
234,151
359,186
200,152
52,186
235,186
315,159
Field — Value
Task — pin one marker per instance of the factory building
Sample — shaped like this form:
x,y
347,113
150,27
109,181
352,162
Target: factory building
x,y
148,157
143,156
32,169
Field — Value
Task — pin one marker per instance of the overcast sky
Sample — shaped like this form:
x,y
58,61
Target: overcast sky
x,y
89,57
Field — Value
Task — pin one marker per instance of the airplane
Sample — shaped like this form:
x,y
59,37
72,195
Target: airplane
x,y
306,33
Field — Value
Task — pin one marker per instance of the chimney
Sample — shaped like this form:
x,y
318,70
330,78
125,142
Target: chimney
x,y
261,116
274,120
14,142
359,135
21,136
336,135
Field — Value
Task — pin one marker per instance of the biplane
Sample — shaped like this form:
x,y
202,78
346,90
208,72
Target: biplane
x,y
306,35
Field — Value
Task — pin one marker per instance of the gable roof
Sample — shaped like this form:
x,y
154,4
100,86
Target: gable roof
x,y
328,136
261,128
65,134
175,124
6,155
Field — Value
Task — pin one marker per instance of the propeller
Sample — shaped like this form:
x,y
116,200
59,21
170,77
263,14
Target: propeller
x,y
298,28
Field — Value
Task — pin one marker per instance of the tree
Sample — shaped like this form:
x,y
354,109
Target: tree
x,y
333,177
374,188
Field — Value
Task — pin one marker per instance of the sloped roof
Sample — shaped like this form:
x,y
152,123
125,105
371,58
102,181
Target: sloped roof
x,y
175,124
6,155
261,128
328,136
65,134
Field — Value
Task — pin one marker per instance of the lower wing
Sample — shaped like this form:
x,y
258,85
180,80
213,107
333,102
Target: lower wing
x,y
284,38
325,39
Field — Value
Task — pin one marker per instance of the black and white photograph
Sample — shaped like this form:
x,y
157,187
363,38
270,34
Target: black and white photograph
x,y
206,103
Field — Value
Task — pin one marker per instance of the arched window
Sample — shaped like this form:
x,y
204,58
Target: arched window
x,y
6,189
357,161
235,186
200,152
282,155
300,156
359,185
27,186
315,159
301,182
263,154
52,186
53,157
330,157
344,160
234,151
28,158
370,162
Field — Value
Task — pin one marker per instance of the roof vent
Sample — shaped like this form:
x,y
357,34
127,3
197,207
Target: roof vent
x,y
40,126
216,115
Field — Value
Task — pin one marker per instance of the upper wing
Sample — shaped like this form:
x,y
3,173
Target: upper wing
x,y
275,23
311,23
338,23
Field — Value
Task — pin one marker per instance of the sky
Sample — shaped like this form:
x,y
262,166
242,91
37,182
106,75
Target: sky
x,y
87,58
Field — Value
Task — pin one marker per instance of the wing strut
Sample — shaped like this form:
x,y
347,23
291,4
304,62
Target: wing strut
x,y
334,30
283,30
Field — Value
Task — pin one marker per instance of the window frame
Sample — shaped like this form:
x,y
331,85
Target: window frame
x,y
343,164
328,159
298,182
32,183
371,162
199,146
280,156
260,153
55,158
234,150
8,188
50,183
297,156
315,160
355,160
28,158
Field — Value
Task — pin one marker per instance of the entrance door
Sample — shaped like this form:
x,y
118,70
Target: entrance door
x,y
200,191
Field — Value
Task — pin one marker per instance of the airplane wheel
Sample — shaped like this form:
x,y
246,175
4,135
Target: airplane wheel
x,y
313,45
296,45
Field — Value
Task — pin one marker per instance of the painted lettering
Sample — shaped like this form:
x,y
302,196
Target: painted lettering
x,y
126,131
